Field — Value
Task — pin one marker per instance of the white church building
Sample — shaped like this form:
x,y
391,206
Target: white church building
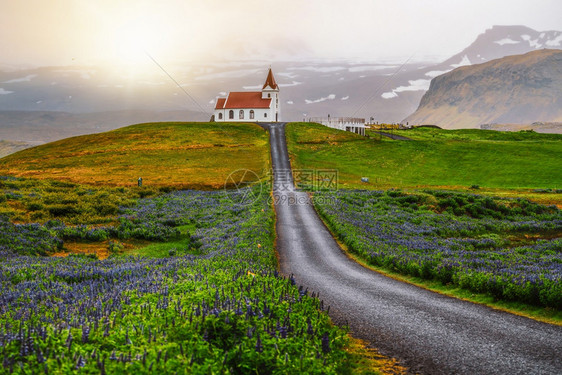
x,y
248,106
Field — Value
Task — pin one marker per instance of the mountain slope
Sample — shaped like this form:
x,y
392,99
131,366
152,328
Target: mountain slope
x,y
515,89
405,90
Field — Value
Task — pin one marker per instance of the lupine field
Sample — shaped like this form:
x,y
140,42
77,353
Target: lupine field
x,y
509,248
215,306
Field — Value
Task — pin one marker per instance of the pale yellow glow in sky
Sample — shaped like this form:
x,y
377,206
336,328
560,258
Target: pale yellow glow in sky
x,y
66,32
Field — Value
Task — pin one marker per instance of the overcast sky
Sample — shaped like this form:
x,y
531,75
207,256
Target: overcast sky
x,y
66,32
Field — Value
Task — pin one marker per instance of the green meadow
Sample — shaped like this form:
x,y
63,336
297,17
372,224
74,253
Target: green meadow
x,y
522,163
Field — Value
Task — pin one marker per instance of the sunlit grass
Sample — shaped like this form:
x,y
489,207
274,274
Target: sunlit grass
x,y
178,155
505,164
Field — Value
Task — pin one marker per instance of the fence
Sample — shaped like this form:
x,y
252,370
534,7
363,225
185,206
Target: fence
x,y
350,124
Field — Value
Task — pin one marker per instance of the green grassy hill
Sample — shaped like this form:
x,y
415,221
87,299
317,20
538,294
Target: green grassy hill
x,y
434,158
180,155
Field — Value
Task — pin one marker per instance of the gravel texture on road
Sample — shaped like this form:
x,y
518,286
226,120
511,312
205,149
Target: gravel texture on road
x,y
428,332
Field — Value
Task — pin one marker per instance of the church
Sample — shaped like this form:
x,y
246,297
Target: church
x,y
247,106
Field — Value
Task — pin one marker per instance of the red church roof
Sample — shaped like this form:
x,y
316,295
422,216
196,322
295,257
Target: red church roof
x,y
270,81
246,99
220,103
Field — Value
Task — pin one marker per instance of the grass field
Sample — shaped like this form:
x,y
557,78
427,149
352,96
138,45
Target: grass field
x,y
176,246
179,155
504,164
434,134
194,241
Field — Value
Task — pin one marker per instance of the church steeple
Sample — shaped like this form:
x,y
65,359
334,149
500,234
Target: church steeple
x,y
270,91
270,81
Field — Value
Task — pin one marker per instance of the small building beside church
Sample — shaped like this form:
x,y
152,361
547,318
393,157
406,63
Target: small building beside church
x,y
250,106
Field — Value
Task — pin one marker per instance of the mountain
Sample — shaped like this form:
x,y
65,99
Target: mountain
x,y
499,41
515,89
386,91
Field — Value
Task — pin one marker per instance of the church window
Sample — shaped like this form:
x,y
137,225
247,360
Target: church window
x,y
251,114
231,114
269,95
265,115
241,114
220,116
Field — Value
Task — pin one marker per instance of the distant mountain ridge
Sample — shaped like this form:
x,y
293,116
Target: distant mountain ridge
x,y
500,41
37,127
494,43
515,89
386,91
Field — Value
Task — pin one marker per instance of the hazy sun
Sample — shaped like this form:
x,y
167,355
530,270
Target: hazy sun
x,y
132,43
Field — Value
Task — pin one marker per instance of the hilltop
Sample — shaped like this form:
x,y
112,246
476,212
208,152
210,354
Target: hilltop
x,y
38,127
180,155
515,89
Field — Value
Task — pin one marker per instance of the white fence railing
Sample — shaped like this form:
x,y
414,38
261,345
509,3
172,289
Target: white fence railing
x,y
350,124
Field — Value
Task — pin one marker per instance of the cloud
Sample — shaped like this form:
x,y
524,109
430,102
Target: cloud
x,y
179,30
435,73
319,69
389,95
464,61
367,68
506,41
294,83
22,79
329,97
555,42
415,85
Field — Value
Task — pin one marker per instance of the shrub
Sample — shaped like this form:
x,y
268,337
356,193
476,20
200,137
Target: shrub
x,y
59,210
34,206
468,244
115,247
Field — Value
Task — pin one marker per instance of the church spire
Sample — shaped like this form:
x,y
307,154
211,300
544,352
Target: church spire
x,y
270,81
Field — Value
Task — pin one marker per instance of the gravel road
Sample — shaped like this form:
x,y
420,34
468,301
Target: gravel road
x,y
427,332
